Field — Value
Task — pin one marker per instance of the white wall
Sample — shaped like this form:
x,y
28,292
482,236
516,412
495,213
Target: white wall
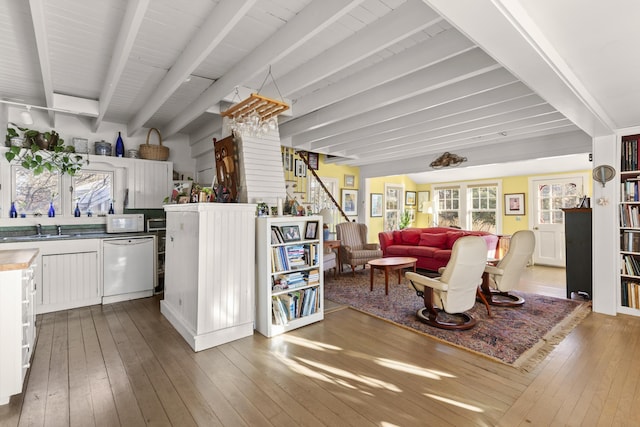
x,y
70,127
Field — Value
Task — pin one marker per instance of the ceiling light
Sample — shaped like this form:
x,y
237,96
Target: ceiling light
x,y
25,116
256,115
447,160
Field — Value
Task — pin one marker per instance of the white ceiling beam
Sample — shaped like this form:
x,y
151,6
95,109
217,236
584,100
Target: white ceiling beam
x,y
42,46
456,140
223,18
430,131
425,110
133,18
313,19
444,73
438,48
537,145
410,18
423,123
507,33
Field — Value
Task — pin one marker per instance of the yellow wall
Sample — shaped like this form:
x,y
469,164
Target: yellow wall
x,y
376,185
513,184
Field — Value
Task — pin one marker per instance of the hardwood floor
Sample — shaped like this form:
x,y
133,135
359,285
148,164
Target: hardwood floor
x,y
123,364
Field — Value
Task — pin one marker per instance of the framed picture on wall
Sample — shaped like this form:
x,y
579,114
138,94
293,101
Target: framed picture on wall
x,y
313,161
376,205
514,204
301,169
349,181
350,202
410,198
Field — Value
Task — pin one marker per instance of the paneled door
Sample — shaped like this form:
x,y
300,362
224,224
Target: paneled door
x,y
549,197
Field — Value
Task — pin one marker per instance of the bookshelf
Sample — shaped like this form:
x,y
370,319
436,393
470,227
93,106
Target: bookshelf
x,y
629,221
289,285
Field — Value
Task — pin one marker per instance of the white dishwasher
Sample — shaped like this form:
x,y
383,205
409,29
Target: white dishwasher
x,y
129,268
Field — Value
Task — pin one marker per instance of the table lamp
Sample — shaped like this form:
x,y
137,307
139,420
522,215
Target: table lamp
x,y
327,218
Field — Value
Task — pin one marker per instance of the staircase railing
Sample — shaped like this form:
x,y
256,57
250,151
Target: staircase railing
x,y
305,159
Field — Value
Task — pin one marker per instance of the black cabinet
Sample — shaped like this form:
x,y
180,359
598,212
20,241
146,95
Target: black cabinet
x,y
577,231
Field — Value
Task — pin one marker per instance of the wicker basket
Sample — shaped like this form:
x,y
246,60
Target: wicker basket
x,y
154,152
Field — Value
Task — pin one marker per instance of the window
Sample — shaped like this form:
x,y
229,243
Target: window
x,y
448,207
552,198
483,208
471,206
33,193
92,190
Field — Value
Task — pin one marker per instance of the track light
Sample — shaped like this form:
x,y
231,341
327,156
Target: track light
x,y
25,116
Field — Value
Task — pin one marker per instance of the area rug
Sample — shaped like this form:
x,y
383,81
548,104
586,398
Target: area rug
x,y
520,336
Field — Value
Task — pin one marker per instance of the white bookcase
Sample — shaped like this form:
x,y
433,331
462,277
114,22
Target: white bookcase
x,y
629,221
290,259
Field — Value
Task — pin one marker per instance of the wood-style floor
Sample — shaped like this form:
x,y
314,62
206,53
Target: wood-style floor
x,y
123,364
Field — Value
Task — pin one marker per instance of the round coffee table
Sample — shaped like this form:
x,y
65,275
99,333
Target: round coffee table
x,y
390,264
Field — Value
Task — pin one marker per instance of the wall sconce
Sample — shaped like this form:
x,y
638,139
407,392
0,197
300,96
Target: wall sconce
x,y
603,174
447,160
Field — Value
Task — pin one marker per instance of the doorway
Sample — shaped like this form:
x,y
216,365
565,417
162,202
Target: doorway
x,y
548,197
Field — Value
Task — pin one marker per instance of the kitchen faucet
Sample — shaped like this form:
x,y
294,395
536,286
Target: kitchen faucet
x,y
39,229
59,227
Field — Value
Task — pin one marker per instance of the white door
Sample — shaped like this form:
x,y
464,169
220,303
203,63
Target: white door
x,y
549,197
393,203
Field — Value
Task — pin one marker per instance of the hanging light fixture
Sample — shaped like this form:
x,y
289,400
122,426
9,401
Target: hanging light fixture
x,y
26,117
447,160
256,115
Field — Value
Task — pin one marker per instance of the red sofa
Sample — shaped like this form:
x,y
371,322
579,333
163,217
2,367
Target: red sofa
x,y
431,246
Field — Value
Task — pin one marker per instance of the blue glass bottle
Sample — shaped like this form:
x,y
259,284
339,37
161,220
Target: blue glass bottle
x,y
111,211
76,212
13,213
52,210
119,146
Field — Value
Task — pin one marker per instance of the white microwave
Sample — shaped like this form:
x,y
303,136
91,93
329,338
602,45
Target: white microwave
x,y
125,223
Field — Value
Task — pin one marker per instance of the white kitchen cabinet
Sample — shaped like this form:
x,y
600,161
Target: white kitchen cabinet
x,y
17,319
68,271
210,272
70,280
150,182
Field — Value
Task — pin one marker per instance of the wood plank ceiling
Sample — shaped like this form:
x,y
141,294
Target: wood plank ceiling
x,y
370,81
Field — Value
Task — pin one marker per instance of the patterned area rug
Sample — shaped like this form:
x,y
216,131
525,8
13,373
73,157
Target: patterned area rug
x,y
520,337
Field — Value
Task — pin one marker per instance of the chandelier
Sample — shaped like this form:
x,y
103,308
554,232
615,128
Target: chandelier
x,y
447,160
256,115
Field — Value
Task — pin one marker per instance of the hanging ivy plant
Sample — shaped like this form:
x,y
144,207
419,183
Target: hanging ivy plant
x,y
44,152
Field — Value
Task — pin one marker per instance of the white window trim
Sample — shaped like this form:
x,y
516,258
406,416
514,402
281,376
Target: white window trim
x,y
464,199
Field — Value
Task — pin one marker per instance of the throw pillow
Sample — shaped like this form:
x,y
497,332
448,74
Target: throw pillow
x,y
411,237
452,236
435,240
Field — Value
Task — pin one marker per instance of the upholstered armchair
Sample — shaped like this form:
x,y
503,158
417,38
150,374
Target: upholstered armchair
x,y
354,249
504,276
329,261
454,292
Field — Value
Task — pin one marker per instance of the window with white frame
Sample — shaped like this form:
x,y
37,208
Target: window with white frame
x,y
471,206
448,203
32,194
92,190
483,207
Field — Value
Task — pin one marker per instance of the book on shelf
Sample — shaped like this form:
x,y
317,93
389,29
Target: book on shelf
x,y
630,241
630,294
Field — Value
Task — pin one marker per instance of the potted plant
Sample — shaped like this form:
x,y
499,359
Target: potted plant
x,y
42,151
405,220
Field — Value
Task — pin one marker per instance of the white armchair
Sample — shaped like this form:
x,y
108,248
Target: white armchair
x,y
455,290
504,276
